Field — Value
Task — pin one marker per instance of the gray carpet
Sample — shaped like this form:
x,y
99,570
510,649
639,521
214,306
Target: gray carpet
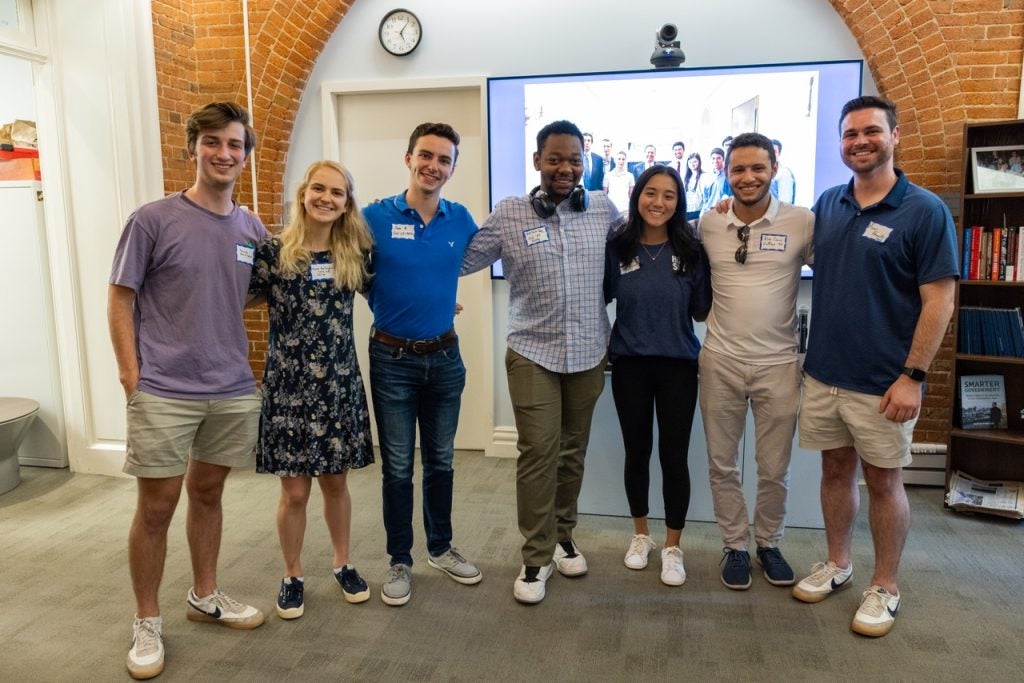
x,y
66,603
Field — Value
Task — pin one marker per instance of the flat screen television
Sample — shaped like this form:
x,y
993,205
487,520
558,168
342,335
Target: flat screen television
x,y
796,104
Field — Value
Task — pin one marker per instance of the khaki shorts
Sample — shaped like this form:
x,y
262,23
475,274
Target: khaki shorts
x,y
831,417
164,432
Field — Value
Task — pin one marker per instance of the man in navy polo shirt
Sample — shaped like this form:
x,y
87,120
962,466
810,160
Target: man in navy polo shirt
x,y
885,270
416,371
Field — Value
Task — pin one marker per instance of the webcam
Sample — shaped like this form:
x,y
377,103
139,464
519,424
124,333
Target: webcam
x,y
667,51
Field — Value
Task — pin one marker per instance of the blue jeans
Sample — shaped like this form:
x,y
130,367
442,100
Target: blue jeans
x,y
406,389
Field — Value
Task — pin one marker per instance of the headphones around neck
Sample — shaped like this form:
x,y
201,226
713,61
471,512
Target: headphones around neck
x,y
545,207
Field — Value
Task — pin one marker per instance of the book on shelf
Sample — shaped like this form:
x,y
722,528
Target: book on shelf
x,y
982,402
986,331
992,253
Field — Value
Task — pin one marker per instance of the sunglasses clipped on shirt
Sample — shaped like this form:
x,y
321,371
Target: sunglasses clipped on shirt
x,y
743,235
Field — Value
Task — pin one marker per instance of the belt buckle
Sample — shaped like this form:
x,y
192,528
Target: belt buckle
x,y
422,346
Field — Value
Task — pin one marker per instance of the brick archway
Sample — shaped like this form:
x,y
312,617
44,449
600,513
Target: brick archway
x,y
943,63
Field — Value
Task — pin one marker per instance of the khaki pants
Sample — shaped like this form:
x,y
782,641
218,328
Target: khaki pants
x,y
773,393
553,412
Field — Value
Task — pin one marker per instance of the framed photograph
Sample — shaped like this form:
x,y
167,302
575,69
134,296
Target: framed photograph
x,y
998,169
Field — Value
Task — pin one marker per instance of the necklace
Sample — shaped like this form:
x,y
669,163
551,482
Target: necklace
x,y
655,256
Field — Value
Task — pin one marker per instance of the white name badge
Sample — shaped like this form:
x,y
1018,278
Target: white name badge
x,y
770,242
244,253
630,267
536,235
401,231
877,232
321,271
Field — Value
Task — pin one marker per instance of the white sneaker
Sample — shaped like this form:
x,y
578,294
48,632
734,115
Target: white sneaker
x,y
823,580
639,548
672,571
877,612
532,591
570,565
146,656
221,609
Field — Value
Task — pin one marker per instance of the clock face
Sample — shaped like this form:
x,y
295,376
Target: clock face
x,y
399,32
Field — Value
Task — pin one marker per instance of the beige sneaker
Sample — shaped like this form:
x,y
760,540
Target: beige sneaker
x,y
146,655
219,608
825,578
877,612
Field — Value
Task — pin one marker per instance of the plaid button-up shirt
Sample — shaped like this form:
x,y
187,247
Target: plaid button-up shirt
x,y
555,269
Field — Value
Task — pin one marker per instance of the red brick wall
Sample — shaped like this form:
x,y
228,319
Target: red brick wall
x,y
943,62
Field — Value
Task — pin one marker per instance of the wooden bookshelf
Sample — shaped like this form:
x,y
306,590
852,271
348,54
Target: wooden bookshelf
x,y
994,454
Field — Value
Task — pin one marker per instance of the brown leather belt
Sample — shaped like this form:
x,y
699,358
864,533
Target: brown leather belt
x,y
420,347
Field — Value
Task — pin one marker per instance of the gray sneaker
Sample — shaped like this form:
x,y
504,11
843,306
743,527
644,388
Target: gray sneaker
x,y
456,566
397,585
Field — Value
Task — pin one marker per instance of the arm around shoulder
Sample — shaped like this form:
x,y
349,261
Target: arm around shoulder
x,y
485,245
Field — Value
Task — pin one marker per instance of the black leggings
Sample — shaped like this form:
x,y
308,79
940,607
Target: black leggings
x,y
639,385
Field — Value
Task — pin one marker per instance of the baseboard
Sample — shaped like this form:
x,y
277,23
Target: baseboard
x,y
503,443
105,459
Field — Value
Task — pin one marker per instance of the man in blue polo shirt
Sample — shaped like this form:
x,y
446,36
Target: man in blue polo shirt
x,y
416,371
885,270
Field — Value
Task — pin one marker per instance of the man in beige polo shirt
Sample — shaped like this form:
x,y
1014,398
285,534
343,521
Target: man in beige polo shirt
x,y
749,360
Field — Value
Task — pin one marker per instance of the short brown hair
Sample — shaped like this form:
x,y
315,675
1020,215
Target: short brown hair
x,y
217,116
441,130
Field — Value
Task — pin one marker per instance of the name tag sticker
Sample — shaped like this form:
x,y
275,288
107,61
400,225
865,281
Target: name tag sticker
x,y
321,271
245,253
771,242
877,232
629,267
536,235
401,231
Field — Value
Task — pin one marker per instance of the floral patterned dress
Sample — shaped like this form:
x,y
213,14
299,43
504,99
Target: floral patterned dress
x,y
314,419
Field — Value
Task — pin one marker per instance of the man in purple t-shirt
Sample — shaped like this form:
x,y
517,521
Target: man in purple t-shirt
x,y
178,285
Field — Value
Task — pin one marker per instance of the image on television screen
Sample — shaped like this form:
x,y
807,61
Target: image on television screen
x,y
636,115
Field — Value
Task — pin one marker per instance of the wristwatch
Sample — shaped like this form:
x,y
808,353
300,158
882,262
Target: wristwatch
x,y
916,374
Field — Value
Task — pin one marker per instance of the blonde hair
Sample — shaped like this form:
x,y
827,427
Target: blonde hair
x,y
350,237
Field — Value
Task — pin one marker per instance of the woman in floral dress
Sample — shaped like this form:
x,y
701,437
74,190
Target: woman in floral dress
x,y
315,422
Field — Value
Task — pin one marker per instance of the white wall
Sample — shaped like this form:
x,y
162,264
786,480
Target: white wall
x,y
463,39
18,101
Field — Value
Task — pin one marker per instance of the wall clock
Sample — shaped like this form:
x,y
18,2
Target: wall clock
x,y
400,32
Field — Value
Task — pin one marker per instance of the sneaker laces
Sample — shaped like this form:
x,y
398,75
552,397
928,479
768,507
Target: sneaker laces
x,y
397,572
771,556
672,555
147,637
290,591
638,545
874,601
455,554
733,557
820,572
226,604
